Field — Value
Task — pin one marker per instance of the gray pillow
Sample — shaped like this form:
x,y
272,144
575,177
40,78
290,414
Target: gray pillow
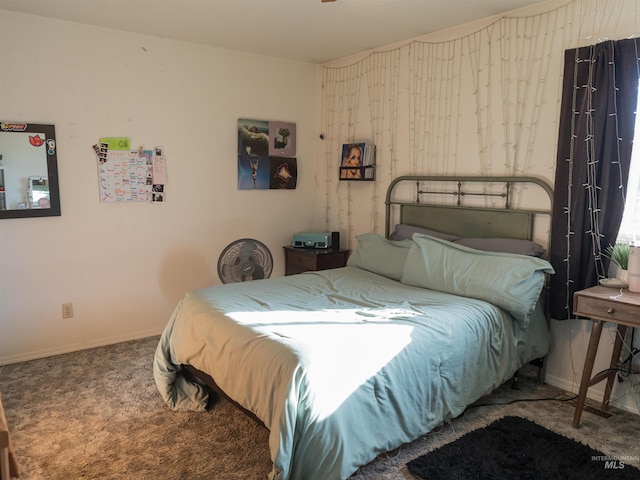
x,y
504,245
404,231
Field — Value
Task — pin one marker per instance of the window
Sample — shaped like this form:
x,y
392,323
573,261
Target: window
x,y
630,226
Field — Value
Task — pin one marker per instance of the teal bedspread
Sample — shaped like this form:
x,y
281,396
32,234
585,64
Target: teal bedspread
x,y
341,365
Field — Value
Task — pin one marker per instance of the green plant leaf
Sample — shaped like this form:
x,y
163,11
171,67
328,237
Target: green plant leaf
x,y
618,254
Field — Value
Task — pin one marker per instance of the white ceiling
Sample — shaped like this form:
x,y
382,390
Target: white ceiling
x,y
303,30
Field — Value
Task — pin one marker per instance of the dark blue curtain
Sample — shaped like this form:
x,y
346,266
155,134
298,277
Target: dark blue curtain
x,y
596,129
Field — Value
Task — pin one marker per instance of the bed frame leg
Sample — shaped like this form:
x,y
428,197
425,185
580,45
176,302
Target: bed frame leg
x,y
541,364
515,385
538,362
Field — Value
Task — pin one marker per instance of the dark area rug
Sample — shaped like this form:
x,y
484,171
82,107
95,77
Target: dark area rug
x,y
514,447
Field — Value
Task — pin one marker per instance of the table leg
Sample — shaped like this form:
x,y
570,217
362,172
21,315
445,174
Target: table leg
x,y
594,340
615,361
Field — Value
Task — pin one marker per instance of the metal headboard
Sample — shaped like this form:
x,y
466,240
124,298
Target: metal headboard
x,y
450,208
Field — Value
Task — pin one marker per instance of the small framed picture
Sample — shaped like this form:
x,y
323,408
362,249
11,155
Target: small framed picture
x,y
357,161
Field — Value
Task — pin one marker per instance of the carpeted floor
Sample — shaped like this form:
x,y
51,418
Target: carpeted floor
x,y
97,414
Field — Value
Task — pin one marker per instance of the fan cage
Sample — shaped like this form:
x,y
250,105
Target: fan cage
x,y
244,260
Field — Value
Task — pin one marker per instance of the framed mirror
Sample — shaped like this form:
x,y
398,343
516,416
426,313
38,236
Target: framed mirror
x,y
28,171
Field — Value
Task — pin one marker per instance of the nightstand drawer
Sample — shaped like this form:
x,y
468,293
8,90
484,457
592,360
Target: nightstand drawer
x,y
605,309
608,305
297,259
336,260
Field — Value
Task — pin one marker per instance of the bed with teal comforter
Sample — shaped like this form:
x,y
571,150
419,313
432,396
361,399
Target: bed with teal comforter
x,y
342,365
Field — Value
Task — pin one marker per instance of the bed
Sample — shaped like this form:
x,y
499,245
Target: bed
x,y
344,364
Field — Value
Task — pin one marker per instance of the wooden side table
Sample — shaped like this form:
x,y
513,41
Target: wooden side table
x,y
298,260
8,463
602,304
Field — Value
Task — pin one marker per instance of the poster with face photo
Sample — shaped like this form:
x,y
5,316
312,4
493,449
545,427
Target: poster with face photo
x,y
352,158
358,161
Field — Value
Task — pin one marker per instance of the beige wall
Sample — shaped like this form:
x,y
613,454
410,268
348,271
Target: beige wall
x,y
125,266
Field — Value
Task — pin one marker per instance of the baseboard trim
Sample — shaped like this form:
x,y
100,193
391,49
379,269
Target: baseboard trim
x,y
594,393
50,352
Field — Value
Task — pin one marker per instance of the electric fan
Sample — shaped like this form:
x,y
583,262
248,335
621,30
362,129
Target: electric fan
x,y
243,260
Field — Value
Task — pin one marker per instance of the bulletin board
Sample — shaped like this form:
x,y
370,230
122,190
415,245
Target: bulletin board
x,y
126,175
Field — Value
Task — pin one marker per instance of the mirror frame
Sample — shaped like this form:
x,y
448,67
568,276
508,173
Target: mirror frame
x,y
52,169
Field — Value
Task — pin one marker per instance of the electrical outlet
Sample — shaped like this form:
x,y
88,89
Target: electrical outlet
x,y
67,310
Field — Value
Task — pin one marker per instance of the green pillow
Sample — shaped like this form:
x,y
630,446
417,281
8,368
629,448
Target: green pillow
x,y
510,281
377,254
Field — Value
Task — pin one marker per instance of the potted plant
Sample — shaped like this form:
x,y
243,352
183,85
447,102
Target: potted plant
x,y
618,254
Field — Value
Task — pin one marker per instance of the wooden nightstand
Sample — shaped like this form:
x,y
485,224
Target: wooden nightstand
x,y
298,260
602,304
